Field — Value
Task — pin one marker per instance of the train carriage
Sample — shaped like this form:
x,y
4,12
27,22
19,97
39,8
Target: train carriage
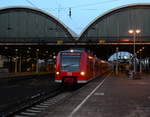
x,y
77,66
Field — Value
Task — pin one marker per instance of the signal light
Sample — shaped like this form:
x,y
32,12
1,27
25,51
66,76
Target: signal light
x,y
57,73
82,73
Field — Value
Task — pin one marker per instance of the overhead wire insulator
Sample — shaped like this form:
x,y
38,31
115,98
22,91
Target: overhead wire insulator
x,y
70,12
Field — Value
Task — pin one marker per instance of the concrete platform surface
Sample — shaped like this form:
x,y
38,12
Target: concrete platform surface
x,y
116,96
8,75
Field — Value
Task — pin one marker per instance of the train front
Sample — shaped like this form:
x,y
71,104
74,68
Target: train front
x,y
70,68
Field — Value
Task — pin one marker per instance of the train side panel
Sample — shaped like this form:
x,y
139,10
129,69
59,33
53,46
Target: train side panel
x,y
83,74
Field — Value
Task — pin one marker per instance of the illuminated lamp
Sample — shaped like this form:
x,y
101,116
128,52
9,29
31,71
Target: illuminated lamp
x,y
71,50
57,73
82,73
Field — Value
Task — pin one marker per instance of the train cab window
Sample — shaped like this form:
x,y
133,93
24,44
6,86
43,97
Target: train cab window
x,y
70,63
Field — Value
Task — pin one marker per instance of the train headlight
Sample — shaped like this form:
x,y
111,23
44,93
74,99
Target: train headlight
x,y
82,73
57,73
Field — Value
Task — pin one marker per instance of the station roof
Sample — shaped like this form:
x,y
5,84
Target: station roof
x,y
113,26
24,24
28,25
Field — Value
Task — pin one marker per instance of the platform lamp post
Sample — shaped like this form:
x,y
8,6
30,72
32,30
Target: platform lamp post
x,y
116,60
16,59
134,32
140,51
37,64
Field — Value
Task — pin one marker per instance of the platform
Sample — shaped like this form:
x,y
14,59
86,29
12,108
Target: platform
x,y
116,96
18,74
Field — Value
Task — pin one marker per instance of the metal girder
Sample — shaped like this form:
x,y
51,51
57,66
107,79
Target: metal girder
x,y
74,43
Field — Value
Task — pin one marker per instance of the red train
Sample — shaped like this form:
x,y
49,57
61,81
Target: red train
x,y
78,66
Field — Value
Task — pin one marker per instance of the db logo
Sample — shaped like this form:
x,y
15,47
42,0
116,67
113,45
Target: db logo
x,y
69,73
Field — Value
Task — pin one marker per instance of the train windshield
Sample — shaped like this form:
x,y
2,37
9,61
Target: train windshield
x,y
70,63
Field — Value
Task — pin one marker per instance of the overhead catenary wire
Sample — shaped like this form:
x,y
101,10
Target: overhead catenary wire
x,y
31,3
92,4
70,8
78,6
86,5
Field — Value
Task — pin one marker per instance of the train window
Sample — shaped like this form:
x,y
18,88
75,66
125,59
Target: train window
x,y
70,63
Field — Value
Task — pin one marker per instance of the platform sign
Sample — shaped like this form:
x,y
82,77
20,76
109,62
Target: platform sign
x,y
101,41
59,42
69,53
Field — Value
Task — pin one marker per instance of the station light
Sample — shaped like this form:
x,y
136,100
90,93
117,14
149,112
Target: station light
x,y
138,31
131,31
54,57
16,50
71,50
90,57
57,73
134,32
125,57
82,73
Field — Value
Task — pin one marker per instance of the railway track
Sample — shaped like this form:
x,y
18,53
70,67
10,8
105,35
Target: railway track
x,y
38,108
36,101
19,94
40,102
